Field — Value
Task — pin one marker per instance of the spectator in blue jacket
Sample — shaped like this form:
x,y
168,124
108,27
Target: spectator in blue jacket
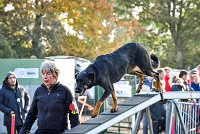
x,y
13,100
52,102
198,69
195,83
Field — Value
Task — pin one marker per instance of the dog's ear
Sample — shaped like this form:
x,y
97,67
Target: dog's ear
x,y
76,75
91,75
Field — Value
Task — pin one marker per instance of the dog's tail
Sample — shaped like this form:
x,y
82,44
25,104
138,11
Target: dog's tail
x,y
155,62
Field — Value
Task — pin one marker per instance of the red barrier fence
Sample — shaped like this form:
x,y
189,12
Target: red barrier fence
x,y
12,123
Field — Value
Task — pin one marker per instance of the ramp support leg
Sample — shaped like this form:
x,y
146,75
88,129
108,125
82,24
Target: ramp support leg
x,y
169,114
149,120
137,125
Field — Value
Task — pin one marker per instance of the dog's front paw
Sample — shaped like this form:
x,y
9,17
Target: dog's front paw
x,y
96,110
114,110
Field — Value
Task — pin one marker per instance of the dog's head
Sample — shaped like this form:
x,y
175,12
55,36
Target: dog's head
x,y
84,81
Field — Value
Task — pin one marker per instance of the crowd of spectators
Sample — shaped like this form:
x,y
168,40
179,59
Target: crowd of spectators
x,y
181,81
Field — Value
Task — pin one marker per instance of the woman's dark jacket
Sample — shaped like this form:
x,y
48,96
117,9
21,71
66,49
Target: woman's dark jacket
x,y
16,100
51,109
176,87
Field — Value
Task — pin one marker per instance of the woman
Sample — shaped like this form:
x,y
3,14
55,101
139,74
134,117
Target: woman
x,y
51,104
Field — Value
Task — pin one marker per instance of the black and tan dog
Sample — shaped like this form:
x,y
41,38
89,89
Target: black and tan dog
x,y
107,69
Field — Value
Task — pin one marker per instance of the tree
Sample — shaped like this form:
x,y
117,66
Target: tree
x,y
95,25
177,18
31,27
5,49
80,28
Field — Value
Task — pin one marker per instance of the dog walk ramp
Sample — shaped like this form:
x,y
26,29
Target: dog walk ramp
x,y
106,119
127,108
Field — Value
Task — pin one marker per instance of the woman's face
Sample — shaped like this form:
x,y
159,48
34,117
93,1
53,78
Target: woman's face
x,y
185,77
48,78
195,79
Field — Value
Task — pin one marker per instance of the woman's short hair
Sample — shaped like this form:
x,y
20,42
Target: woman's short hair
x,y
183,72
50,66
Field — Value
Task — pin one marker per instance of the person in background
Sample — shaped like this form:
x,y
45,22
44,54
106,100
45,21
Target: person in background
x,y
51,105
168,82
198,69
14,99
195,83
191,74
178,85
158,116
157,110
184,75
174,79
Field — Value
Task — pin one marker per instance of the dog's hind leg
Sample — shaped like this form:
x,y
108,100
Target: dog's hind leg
x,y
156,77
158,83
140,76
115,105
